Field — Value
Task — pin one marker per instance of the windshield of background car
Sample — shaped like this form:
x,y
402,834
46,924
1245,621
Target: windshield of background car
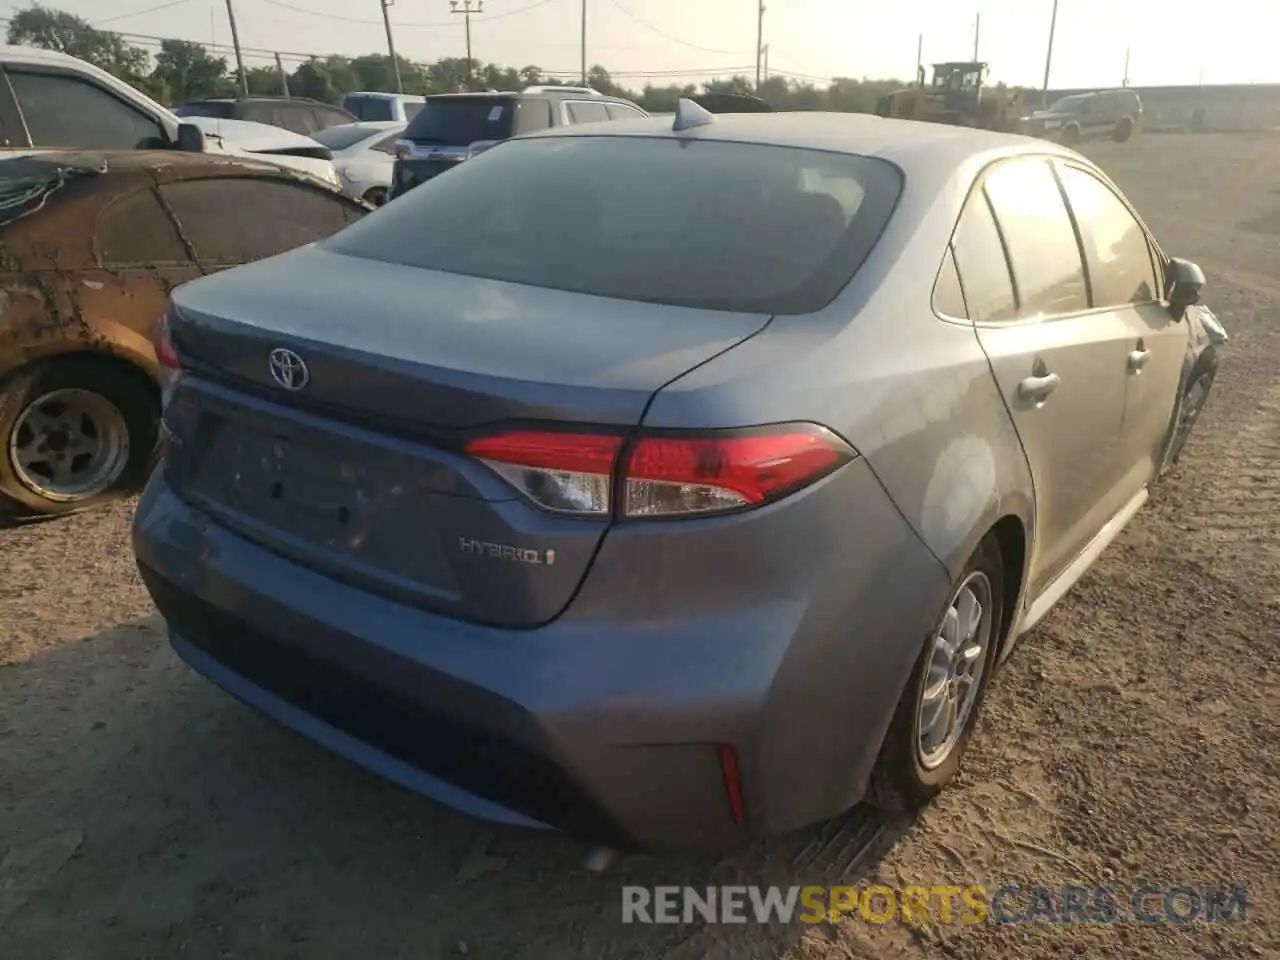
x,y
710,224
219,111
341,137
461,121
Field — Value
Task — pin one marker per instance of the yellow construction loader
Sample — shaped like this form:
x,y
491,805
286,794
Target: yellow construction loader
x,y
958,95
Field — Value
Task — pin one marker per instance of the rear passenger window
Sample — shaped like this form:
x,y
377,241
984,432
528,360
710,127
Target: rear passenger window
x,y
286,215
1116,248
587,112
533,115
981,265
620,111
135,230
1048,275
948,298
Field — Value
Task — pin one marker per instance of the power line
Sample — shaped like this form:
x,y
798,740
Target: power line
x,y
141,13
410,26
662,33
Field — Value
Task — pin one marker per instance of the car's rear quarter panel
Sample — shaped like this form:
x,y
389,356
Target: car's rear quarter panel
x,y
54,297
915,396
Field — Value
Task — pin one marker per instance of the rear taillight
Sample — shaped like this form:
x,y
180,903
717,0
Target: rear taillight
x,y
402,149
663,475
165,354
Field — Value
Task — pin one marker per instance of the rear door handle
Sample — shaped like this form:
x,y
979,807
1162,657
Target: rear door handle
x,y
1138,359
1037,389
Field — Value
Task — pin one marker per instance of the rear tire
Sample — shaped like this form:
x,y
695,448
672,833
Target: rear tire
x,y
907,774
375,196
1123,131
1071,135
74,433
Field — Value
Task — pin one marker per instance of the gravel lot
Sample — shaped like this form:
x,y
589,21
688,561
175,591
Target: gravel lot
x,y
1132,737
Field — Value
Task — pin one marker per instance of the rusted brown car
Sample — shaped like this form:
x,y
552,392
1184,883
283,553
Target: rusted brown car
x,y
90,246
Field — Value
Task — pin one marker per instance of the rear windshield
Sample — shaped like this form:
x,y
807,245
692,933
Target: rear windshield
x,y
460,121
369,108
222,111
341,137
709,224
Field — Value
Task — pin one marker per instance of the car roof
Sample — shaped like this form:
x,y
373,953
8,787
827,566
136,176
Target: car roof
x,y
37,55
907,143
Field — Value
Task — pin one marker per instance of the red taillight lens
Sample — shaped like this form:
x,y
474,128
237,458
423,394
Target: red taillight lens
x,y
165,354
667,475
565,472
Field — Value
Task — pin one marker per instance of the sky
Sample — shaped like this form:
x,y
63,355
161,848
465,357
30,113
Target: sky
x,y
665,41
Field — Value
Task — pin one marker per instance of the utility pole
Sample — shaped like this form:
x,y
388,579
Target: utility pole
x,y
235,40
1048,57
1125,81
391,44
284,77
584,42
920,59
759,43
467,8
977,31
766,61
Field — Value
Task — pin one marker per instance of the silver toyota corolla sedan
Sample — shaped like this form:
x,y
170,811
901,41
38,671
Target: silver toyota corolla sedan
x,y
668,483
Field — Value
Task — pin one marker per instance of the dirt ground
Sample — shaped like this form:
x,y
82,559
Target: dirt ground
x,y
1131,739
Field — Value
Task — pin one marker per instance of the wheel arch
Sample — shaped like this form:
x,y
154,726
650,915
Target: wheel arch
x,y
125,364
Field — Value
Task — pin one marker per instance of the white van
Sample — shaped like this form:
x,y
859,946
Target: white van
x,y
52,101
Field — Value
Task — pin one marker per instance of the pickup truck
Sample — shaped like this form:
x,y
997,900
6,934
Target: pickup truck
x,y
52,101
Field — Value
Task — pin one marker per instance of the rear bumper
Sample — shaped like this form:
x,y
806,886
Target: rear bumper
x,y
604,723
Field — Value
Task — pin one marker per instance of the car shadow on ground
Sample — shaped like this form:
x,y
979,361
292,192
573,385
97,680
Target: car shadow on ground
x,y
198,826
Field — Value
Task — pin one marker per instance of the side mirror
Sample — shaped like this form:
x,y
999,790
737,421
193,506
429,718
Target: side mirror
x,y
1185,281
190,138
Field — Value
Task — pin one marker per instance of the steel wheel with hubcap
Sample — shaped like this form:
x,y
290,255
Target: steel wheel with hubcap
x,y
69,445
75,431
957,662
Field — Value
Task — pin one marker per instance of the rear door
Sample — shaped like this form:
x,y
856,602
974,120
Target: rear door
x,y
211,213
141,258
1059,364
1126,280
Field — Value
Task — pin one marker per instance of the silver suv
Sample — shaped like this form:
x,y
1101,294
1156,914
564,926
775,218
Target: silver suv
x,y
457,126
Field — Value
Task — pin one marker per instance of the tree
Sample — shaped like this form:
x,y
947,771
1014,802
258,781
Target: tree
x,y
313,79
188,72
66,33
185,70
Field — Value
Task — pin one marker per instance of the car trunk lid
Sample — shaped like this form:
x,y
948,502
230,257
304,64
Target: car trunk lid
x,y
360,471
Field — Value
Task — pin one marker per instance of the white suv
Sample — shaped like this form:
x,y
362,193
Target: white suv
x,y
52,101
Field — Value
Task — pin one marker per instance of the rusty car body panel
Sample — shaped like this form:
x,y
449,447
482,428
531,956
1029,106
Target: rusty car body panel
x,y
92,243
57,295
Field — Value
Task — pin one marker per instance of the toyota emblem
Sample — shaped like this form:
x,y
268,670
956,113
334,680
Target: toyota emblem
x,y
288,369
